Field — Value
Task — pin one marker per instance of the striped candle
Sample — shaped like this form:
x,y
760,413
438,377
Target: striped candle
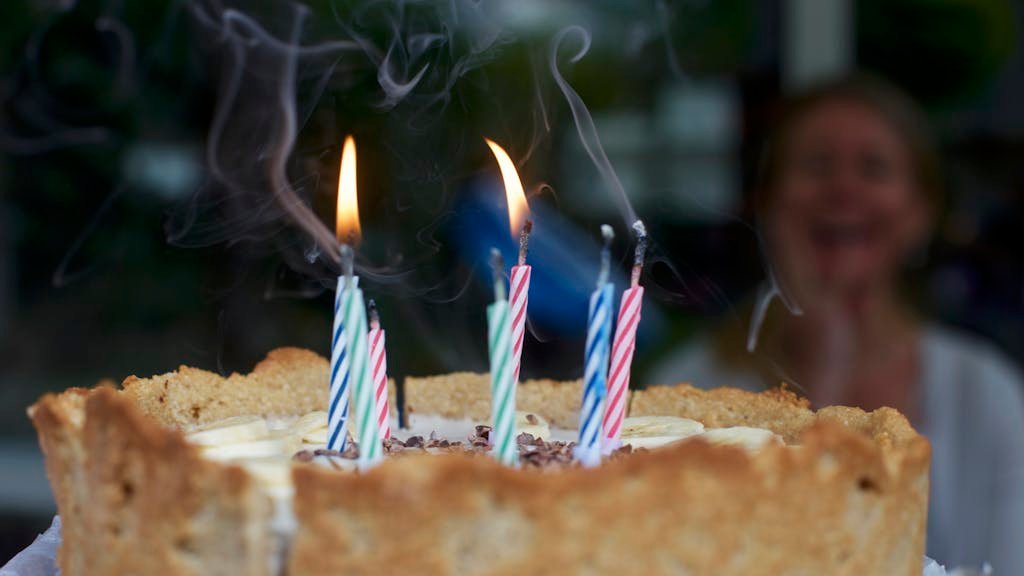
x,y
595,361
622,360
595,374
338,406
520,288
379,365
624,346
518,221
503,389
370,449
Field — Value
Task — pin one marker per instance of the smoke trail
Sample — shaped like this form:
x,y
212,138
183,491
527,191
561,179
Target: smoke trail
x,y
294,206
771,288
269,98
585,123
245,40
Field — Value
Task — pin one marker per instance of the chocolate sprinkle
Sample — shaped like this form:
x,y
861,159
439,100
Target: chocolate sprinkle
x,y
534,452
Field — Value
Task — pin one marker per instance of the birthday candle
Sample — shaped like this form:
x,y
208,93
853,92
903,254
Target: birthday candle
x,y
354,312
337,411
520,289
503,389
379,364
519,220
595,363
347,232
623,347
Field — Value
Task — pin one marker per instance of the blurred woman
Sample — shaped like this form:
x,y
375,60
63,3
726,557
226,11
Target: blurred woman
x,y
848,192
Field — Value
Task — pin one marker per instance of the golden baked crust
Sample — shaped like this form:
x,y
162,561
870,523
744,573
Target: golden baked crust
x,y
851,498
778,410
468,395
828,507
136,498
288,381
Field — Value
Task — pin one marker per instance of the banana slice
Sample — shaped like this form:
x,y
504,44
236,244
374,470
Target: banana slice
x,y
261,448
648,426
743,436
229,431
318,436
532,424
310,423
657,431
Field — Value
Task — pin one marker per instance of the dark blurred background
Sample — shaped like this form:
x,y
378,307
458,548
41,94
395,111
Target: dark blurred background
x,y
139,230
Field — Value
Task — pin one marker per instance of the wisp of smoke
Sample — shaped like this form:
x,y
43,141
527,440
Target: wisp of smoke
x,y
585,123
272,84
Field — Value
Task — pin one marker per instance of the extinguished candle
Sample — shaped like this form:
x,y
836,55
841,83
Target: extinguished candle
x,y
503,389
623,347
379,364
595,361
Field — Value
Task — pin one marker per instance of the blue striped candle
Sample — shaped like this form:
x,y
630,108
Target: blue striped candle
x,y
595,375
338,407
595,360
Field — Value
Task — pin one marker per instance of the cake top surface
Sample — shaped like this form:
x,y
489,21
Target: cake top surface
x,y
291,381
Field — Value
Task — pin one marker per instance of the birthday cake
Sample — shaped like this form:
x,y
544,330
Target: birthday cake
x,y
193,473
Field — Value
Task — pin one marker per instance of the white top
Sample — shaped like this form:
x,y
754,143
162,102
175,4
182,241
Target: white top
x,y
972,400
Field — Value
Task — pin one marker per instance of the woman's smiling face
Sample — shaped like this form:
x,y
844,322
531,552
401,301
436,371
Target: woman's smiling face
x,y
844,210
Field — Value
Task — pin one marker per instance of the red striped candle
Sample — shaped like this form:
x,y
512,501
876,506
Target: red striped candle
x,y
520,288
623,347
379,365
518,220
622,360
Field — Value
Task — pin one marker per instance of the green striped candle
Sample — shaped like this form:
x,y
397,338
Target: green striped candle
x,y
503,390
371,451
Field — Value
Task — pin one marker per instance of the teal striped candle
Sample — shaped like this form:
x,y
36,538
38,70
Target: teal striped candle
x,y
503,390
371,451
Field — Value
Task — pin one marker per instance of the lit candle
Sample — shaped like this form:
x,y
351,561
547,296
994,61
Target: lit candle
x,y
519,222
595,360
503,389
347,230
623,347
350,339
379,364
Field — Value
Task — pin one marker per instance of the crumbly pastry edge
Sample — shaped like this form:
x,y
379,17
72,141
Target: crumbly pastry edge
x,y
851,499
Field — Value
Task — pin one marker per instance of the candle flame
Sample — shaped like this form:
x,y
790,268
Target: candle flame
x,y
518,209
347,224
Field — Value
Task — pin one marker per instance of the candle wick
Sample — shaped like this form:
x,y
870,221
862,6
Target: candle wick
x,y
498,268
347,263
641,249
608,234
373,314
524,241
